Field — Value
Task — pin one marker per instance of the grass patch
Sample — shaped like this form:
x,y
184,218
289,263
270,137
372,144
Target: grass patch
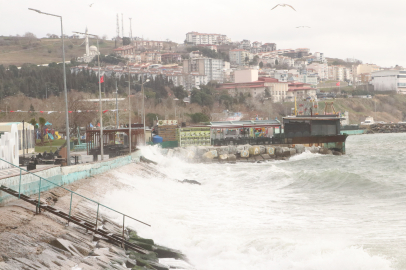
x,y
49,145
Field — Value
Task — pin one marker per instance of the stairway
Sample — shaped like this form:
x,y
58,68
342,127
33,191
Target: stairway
x,y
110,237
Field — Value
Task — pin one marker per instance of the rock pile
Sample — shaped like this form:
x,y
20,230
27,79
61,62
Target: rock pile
x,y
242,153
387,128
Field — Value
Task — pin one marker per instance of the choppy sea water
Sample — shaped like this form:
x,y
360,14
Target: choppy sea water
x,y
311,212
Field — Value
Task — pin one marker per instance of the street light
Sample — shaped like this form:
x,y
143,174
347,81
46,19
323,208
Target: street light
x,y
100,101
64,85
143,104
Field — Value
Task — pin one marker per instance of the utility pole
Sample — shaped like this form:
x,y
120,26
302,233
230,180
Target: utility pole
x,y
129,105
116,106
117,31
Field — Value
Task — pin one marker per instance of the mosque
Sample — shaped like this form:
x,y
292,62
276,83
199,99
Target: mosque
x,y
91,51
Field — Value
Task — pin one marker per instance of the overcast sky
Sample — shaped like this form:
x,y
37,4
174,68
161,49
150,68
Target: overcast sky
x,y
370,30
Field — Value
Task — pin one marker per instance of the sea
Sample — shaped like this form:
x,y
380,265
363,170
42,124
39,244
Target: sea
x,y
311,212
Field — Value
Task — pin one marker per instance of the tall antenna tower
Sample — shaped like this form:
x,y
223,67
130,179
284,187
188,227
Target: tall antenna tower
x,y
122,24
118,28
131,31
117,32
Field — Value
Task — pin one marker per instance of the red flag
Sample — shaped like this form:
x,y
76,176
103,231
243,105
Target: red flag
x,y
41,111
338,84
105,111
98,124
102,79
11,111
70,111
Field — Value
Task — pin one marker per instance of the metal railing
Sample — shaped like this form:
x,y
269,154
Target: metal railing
x,y
38,208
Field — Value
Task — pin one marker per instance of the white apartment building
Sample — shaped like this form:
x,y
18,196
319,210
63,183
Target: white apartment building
x,y
389,80
212,68
238,56
321,69
201,38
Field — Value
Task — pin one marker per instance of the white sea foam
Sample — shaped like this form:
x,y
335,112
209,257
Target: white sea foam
x,y
257,216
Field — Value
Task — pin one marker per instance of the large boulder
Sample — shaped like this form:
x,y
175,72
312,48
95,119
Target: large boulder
x,y
231,158
312,149
325,151
210,155
292,151
223,157
254,150
300,148
201,150
223,150
282,151
232,149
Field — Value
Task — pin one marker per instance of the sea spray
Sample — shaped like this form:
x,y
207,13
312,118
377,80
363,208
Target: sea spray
x,y
311,212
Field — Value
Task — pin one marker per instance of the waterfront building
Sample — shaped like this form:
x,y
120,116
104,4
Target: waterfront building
x,y
389,81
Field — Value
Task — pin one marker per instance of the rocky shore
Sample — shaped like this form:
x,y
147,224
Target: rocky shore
x,y
45,241
242,153
387,128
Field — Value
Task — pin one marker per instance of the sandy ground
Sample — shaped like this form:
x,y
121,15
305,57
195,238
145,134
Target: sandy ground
x,y
30,241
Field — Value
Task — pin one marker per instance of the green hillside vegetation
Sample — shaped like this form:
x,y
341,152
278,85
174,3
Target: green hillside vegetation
x,y
20,50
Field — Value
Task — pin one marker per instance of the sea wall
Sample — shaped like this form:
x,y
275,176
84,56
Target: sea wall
x,y
243,153
59,175
387,128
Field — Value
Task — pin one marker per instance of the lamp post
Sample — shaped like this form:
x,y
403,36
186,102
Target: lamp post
x,y
129,105
64,85
100,101
143,103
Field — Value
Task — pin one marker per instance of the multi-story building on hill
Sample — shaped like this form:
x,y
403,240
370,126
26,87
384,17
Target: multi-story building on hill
x,y
196,38
239,56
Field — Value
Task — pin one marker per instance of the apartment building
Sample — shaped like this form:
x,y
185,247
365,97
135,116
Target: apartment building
x,y
151,57
196,38
238,56
321,69
389,80
212,68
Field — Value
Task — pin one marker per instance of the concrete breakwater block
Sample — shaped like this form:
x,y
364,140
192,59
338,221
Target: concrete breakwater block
x,y
262,149
244,154
201,150
282,151
222,150
258,158
254,150
270,150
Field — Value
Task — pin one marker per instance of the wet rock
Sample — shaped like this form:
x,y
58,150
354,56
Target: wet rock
x,y
232,158
266,156
223,150
337,153
259,158
325,151
188,182
232,150
300,148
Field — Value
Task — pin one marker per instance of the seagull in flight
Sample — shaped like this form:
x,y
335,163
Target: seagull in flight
x,y
284,5
303,27
91,4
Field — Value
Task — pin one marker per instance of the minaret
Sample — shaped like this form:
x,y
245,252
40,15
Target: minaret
x,y
87,44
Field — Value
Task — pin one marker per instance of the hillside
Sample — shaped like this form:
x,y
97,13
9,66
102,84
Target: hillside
x,y
20,50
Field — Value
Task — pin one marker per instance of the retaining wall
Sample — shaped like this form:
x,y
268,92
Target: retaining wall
x,y
60,175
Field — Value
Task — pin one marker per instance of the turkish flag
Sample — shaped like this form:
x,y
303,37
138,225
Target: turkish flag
x,y
338,84
105,111
70,111
102,79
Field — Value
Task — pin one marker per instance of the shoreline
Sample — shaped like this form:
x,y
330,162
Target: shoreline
x,y
45,241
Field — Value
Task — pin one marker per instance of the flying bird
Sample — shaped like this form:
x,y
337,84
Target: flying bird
x,y
284,5
91,4
303,27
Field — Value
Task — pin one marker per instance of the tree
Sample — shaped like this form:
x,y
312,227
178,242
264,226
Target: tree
x,y
126,41
179,92
199,117
42,122
276,62
247,59
261,65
